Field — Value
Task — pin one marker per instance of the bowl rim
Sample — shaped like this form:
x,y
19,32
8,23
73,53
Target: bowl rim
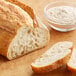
x,y
54,2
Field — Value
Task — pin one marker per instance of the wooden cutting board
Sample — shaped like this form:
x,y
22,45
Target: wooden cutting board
x,y
21,66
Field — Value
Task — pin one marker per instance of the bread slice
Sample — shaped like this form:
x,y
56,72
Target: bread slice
x,y
54,58
72,62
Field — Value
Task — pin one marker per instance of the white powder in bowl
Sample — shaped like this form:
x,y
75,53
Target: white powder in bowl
x,y
63,15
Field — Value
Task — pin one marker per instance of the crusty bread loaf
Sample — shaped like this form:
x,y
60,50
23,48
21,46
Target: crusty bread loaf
x,y
17,36
72,62
54,58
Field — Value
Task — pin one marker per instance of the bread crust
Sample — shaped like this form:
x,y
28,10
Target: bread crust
x,y
5,39
51,67
71,69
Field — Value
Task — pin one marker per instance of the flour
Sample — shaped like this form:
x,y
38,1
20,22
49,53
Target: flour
x,y
63,15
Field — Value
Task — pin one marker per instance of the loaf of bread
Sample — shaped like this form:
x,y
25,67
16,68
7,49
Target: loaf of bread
x,y
72,62
54,58
17,34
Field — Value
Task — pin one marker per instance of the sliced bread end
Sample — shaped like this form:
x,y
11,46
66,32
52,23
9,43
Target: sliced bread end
x,y
51,67
72,62
54,58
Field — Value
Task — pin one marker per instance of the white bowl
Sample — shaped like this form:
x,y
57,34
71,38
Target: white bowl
x,y
53,24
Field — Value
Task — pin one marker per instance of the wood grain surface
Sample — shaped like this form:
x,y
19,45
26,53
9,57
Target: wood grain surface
x,y
21,66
